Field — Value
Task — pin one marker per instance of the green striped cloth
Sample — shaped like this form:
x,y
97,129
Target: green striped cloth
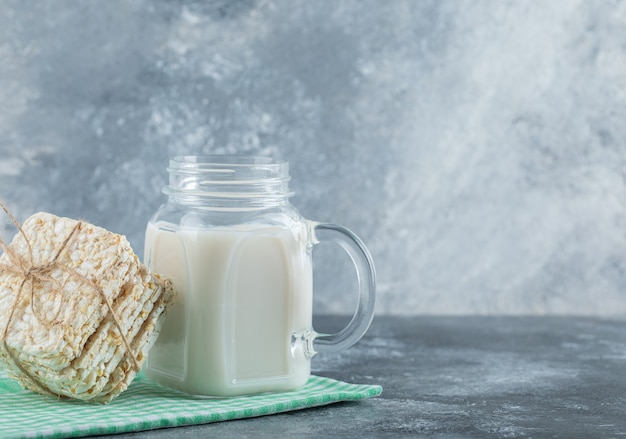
x,y
147,405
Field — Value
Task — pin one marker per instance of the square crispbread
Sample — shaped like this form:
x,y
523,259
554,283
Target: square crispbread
x,y
61,331
103,257
123,375
98,356
105,370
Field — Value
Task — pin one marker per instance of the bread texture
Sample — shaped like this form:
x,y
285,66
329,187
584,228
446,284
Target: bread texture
x,y
66,330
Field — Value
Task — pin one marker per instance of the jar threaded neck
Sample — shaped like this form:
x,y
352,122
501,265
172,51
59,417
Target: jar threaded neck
x,y
228,182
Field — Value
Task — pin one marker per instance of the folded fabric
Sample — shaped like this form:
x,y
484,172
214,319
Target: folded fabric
x,y
147,405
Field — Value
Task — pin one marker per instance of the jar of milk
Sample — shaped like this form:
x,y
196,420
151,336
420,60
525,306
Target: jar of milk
x,y
240,256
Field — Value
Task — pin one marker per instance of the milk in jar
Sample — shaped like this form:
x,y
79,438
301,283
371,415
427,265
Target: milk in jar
x,y
244,292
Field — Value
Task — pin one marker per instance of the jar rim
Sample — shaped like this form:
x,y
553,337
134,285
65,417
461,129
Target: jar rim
x,y
216,160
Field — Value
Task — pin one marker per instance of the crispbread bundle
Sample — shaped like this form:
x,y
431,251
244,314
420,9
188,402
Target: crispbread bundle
x,y
69,323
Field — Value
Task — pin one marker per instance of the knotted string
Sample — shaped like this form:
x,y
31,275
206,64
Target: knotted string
x,y
32,273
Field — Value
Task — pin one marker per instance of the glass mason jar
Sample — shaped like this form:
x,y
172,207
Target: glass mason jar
x,y
239,255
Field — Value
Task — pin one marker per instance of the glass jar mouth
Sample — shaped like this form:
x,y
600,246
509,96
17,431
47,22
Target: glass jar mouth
x,y
221,179
230,167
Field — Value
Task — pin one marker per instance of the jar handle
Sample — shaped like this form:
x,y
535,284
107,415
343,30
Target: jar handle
x,y
366,276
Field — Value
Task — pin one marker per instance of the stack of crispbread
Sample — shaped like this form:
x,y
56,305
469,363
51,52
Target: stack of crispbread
x,y
62,333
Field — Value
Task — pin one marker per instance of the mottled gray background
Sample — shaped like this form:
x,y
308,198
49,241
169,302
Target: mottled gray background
x,y
476,146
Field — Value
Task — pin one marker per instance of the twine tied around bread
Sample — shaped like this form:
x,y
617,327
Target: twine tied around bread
x,y
31,273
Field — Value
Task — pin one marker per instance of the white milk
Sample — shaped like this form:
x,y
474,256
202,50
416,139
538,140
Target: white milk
x,y
244,292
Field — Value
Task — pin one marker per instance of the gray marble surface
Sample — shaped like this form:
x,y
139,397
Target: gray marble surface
x,y
476,146
462,377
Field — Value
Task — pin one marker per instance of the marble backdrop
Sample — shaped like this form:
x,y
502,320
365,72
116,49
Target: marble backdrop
x,y
477,147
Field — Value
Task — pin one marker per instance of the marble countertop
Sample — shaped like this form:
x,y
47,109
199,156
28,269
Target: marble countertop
x,y
470,377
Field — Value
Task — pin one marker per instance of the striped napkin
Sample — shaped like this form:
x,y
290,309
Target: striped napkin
x,y
147,405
